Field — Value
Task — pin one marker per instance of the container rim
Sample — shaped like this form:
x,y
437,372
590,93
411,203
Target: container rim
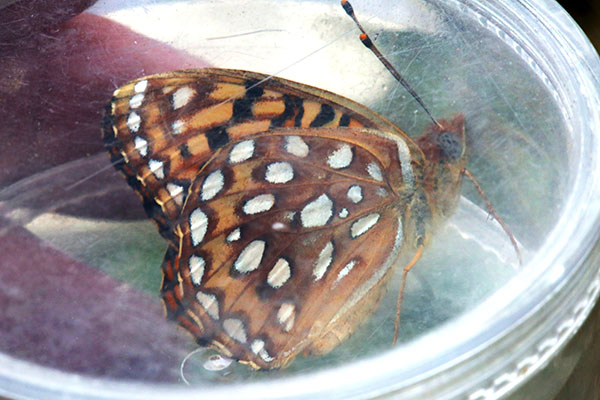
x,y
559,273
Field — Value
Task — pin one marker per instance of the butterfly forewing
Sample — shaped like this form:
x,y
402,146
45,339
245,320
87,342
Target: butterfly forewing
x,y
281,208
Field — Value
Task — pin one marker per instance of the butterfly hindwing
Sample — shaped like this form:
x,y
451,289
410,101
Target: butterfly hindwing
x,y
277,239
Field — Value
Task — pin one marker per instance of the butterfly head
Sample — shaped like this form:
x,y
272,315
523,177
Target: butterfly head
x,y
444,143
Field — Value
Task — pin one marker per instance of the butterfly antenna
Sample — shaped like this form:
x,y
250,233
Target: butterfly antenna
x,y
366,40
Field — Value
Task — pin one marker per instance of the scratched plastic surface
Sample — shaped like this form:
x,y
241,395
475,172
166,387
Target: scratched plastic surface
x,y
454,55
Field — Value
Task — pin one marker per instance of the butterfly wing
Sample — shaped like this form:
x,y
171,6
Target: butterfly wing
x,y
280,237
271,196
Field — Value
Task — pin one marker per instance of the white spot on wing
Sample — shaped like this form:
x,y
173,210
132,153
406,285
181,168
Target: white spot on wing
x,y
140,86
340,158
296,146
176,193
375,172
258,347
399,233
136,100
234,236
323,261
286,316
182,96
343,213
317,212
209,303
405,165
235,329
279,172
258,204
198,226
278,226
241,151
364,224
197,265
177,126
346,270
212,185
279,274
355,194
250,258
157,168
133,122
141,145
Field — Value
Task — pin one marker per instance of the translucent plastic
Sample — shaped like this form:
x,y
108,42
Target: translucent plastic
x,y
475,323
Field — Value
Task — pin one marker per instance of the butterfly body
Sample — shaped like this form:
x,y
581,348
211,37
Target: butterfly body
x,y
285,206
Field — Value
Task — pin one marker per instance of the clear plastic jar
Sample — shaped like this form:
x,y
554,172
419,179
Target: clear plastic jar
x,y
476,324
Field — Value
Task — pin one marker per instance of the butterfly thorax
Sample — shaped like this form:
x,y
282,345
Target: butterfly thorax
x,y
445,155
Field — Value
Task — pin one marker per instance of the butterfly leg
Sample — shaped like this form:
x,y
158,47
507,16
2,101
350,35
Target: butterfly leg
x,y
405,272
492,211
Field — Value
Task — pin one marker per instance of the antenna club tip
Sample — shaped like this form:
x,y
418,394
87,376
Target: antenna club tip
x,y
366,40
347,7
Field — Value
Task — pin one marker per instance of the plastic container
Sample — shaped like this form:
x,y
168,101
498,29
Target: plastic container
x,y
82,263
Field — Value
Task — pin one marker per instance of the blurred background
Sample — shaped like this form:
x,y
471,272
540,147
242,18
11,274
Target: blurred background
x,y
587,15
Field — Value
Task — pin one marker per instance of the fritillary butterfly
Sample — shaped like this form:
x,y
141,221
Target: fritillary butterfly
x,y
284,206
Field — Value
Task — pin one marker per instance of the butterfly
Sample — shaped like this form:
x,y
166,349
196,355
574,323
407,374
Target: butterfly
x,y
285,207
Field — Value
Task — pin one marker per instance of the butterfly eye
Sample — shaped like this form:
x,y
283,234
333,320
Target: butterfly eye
x,y
450,146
